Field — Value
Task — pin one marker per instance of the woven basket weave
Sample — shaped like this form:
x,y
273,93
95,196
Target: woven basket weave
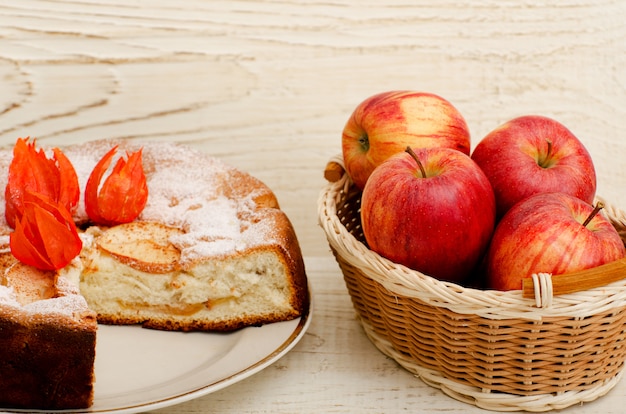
x,y
495,350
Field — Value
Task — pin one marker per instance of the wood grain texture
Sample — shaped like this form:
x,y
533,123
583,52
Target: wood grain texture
x,y
267,85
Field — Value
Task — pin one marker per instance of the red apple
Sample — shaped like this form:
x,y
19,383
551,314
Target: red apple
x,y
534,154
385,124
546,233
432,210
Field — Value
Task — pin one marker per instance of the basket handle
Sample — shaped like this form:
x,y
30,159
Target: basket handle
x,y
334,170
541,284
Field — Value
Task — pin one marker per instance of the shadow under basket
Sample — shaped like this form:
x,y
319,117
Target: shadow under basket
x,y
496,350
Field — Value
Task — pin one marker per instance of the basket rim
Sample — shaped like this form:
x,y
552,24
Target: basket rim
x,y
490,304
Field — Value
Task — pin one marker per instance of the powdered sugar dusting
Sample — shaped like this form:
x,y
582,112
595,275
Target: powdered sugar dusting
x,y
7,296
66,305
68,302
211,227
189,190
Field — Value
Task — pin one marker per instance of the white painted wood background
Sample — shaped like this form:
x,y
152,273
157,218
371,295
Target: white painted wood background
x,y
268,85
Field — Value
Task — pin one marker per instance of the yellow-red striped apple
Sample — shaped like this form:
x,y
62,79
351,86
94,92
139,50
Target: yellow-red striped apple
x,y
385,124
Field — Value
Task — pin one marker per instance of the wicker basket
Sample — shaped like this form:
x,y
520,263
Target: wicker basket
x,y
495,350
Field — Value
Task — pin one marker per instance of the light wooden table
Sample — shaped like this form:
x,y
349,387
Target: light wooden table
x,y
268,86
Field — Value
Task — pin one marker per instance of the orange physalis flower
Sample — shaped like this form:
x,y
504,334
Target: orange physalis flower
x,y
45,236
124,193
31,170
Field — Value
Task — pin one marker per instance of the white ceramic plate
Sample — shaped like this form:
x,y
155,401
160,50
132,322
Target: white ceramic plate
x,y
141,369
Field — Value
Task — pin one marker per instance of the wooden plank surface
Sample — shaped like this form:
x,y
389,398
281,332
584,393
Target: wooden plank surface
x,y
268,85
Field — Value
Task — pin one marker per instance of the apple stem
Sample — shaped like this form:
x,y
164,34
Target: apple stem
x,y
419,164
543,161
596,209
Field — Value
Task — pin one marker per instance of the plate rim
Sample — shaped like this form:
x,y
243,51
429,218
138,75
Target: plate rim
x,y
289,343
